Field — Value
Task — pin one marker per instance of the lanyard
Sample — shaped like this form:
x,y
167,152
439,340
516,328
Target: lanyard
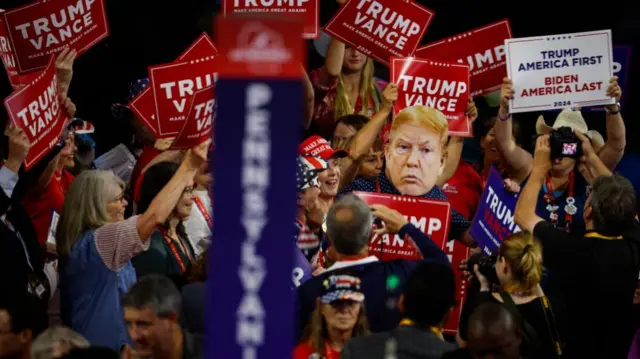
x,y
174,250
203,210
377,186
569,209
410,323
600,236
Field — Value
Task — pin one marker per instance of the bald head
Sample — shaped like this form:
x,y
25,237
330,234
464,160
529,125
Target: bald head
x,y
349,225
494,331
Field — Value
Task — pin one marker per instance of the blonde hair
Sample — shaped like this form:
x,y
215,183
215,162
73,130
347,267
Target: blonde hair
x,y
316,331
85,207
424,116
369,92
523,253
44,345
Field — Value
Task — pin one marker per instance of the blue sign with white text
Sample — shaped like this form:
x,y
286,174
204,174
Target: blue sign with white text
x,y
494,219
249,309
301,268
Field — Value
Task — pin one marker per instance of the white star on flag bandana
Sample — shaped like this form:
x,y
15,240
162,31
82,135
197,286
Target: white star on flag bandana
x,y
307,171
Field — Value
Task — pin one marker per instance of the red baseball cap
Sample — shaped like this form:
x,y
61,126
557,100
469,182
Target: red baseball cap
x,y
318,146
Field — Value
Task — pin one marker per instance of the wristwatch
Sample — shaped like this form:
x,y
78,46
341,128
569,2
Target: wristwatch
x,y
610,112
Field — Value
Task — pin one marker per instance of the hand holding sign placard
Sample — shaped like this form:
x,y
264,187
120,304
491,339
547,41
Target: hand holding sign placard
x,y
482,49
36,110
494,218
431,216
197,127
308,11
560,71
381,28
444,87
174,86
143,105
42,28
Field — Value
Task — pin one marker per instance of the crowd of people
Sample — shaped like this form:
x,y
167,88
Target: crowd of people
x,y
95,262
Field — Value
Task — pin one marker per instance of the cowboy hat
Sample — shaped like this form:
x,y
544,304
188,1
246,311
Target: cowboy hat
x,y
575,121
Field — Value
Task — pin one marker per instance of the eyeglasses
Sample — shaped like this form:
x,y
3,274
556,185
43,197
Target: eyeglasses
x,y
190,189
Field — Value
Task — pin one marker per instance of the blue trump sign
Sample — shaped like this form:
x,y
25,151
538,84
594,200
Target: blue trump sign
x,y
494,218
259,117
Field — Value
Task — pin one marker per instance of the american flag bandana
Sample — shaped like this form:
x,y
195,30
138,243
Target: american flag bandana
x,y
135,88
307,171
81,127
341,287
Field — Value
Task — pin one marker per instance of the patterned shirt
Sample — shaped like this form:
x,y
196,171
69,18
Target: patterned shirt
x,y
307,241
323,116
458,225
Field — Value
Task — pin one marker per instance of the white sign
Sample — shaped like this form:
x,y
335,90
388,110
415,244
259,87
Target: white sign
x,y
560,71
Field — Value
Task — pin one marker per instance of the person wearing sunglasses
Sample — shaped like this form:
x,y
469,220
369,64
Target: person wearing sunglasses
x,y
170,252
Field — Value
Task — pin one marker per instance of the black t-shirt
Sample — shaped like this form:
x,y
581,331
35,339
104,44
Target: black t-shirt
x,y
596,278
532,312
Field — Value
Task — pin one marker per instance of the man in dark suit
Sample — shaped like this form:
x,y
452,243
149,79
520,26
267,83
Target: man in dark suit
x,y
21,258
427,300
349,225
193,303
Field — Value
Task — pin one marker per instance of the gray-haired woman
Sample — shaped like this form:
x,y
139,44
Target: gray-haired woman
x,y
96,244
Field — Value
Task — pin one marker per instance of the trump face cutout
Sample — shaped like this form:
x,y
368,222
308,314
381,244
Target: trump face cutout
x,y
414,156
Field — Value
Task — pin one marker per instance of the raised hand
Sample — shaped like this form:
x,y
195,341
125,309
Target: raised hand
x,y
64,69
392,219
197,156
19,146
163,144
390,96
506,94
542,154
472,110
69,107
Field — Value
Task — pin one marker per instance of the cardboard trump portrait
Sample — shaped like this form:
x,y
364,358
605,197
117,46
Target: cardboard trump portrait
x,y
415,152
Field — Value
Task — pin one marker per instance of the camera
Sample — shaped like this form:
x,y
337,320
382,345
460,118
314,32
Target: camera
x,y
564,143
486,266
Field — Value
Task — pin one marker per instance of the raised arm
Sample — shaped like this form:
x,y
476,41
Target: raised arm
x,y
334,59
517,158
590,165
454,148
118,242
64,71
163,204
364,139
525,215
309,99
613,149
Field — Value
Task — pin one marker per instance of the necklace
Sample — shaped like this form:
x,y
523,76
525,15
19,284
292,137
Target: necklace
x,y
570,208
